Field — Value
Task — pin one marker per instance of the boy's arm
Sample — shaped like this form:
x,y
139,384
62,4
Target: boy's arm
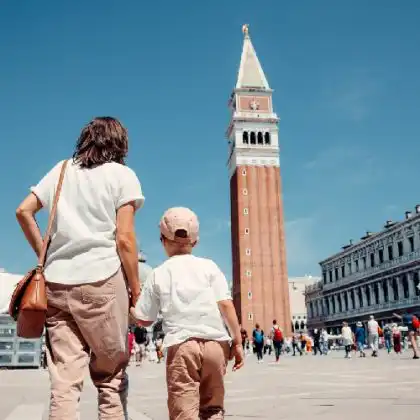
x,y
148,306
228,312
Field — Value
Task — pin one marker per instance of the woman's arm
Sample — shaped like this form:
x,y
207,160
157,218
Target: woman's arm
x,y
25,215
127,248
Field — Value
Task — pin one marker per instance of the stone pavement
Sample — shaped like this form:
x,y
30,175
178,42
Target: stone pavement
x,y
309,387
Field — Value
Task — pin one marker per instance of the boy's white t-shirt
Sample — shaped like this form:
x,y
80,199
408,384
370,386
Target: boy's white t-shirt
x,y
185,289
83,247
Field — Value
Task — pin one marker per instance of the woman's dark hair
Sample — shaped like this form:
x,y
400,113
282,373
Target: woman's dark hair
x,y
103,140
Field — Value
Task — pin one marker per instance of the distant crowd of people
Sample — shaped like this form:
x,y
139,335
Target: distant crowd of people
x,y
395,337
141,347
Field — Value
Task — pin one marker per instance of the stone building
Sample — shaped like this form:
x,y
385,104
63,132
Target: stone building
x,y
260,291
297,287
377,276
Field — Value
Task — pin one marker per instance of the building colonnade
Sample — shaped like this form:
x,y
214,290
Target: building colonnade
x,y
366,295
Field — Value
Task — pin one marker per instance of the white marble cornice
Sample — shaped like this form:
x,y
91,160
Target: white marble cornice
x,y
380,240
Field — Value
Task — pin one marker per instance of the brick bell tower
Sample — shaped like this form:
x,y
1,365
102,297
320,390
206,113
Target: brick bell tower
x,y
260,282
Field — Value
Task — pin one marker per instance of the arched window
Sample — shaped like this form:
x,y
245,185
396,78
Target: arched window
x,y
302,325
340,305
352,298
368,296
253,138
260,138
297,326
293,327
360,295
267,139
245,138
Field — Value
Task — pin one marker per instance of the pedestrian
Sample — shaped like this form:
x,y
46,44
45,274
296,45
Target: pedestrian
x,y
373,331
387,332
140,336
131,350
193,297
303,340
347,336
244,337
43,355
360,337
152,352
317,342
268,347
309,344
396,338
258,337
411,321
295,345
324,341
92,243
278,339
159,349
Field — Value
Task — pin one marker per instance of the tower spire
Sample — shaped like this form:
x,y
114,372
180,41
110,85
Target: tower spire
x,y
251,74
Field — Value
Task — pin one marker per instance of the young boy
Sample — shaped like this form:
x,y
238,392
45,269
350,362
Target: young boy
x,y
193,297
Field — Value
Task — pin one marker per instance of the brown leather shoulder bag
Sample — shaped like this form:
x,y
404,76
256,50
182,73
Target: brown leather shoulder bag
x,y
28,305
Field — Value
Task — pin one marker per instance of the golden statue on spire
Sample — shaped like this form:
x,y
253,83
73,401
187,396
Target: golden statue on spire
x,y
245,29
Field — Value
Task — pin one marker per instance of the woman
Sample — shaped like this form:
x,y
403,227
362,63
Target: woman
x,y
347,336
396,338
93,243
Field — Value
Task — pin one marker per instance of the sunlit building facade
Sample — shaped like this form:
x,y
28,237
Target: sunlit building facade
x,y
297,287
377,276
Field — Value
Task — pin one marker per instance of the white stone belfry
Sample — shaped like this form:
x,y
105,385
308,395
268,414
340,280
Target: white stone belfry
x,y
253,128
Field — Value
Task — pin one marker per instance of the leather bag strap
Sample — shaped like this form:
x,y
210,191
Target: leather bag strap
x,y
51,218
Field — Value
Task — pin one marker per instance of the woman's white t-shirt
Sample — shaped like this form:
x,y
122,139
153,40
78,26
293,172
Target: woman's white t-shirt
x,y
83,247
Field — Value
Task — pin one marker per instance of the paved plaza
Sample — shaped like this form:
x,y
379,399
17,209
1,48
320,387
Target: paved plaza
x,y
308,387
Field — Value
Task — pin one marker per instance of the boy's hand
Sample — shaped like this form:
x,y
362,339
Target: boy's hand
x,y
134,297
133,314
237,353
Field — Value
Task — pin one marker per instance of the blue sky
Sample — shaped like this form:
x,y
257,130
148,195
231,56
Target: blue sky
x,y
347,89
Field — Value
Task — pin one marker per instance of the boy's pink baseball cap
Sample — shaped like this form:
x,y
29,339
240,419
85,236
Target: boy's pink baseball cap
x,y
180,218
